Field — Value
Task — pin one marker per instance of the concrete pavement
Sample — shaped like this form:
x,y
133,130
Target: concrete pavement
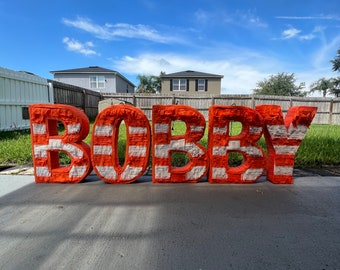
x,y
170,226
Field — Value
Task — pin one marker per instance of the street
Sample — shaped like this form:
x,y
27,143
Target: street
x,y
93,225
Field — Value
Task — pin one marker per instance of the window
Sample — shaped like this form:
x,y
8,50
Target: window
x,y
25,114
201,85
97,82
179,85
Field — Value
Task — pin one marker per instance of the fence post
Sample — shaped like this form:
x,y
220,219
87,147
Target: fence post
x,y
330,119
84,101
253,101
212,100
134,100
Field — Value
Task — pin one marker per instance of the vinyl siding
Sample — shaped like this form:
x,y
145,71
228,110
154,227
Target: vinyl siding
x,y
83,80
17,91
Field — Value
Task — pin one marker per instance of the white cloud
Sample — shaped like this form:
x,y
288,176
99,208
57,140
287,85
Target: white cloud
x,y
326,52
88,26
290,33
239,78
321,17
120,30
202,16
307,37
241,69
250,17
76,46
240,18
318,30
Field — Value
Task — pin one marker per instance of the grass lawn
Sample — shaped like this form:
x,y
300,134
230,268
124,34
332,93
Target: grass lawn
x,y
321,147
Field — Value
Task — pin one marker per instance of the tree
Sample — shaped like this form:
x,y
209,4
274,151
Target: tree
x,y
323,85
146,84
336,89
149,83
336,62
336,67
282,84
336,86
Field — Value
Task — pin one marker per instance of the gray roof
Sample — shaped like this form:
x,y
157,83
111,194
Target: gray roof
x,y
191,74
91,69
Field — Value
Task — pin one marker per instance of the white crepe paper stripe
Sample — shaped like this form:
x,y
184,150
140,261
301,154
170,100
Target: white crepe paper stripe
x,y
162,172
103,131
195,173
102,150
137,130
252,174
219,173
73,129
161,128
137,151
130,172
107,172
39,129
77,171
42,171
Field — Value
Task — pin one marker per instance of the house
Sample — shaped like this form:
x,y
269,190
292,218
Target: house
x,y
191,82
95,78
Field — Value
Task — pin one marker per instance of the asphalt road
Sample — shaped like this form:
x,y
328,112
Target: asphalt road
x,y
94,225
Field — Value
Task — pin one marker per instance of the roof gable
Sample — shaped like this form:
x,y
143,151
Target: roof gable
x,y
191,74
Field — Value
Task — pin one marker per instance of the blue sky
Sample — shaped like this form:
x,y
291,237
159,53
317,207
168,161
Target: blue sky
x,y
244,40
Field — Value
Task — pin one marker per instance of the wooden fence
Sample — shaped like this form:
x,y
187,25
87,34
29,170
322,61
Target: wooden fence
x,y
18,90
87,100
81,98
328,108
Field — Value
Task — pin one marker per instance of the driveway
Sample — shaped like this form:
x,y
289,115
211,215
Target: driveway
x,y
93,225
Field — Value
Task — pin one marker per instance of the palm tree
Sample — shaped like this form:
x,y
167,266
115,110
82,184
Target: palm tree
x,y
323,85
143,83
336,62
336,86
336,81
149,83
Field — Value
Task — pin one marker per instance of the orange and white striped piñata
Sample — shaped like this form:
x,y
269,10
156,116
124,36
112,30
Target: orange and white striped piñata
x,y
164,144
283,138
105,144
47,143
222,143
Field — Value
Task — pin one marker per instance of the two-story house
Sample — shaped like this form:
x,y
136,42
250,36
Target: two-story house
x,y
95,78
191,82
